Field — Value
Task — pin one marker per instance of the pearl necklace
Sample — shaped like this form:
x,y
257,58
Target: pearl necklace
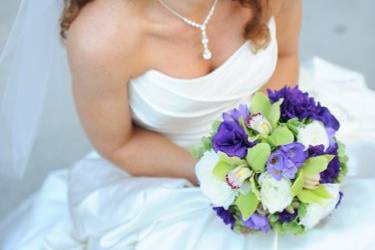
x,y
207,54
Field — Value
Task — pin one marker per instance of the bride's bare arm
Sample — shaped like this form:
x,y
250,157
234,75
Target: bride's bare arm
x,y
102,61
288,22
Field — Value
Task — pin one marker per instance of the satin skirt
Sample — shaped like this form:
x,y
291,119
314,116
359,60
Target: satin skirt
x,y
94,205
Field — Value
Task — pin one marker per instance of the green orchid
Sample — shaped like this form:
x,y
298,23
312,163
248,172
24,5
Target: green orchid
x,y
312,167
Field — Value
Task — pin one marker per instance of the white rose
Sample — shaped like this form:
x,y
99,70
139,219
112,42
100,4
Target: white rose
x,y
313,134
315,212
217,191
275,195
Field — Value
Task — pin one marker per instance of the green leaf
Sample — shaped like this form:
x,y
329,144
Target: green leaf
x,y
277,227
302,209
221,169
344,159
197,151
292,227
274,115
247,204
298,183
281,136
343,170
257,157
315,165
294,125
215,125
254,137
321,191
307,196
273,218
260,104
341,149
254,187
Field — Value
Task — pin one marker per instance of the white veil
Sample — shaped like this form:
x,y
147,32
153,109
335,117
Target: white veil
x,y
32,59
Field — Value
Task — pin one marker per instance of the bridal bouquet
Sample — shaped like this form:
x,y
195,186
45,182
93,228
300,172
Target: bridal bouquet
x,y
275,164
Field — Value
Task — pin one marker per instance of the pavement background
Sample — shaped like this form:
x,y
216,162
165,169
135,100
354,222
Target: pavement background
x,y
341,31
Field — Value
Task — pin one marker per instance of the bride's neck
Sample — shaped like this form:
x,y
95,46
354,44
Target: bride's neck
x,y
194,9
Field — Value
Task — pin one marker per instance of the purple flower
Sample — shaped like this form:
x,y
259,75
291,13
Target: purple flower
x,y
333,169
279,165
231,139
225,215
299,104
236,113
258,222
287,217
285,161
295,152
340,199
331,136
327,118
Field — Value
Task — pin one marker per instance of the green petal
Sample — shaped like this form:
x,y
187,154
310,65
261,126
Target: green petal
x,y
234,161
221,169
307,196
316,165
321,191
260,104
247,204
274,115
298,183
281,136
257,157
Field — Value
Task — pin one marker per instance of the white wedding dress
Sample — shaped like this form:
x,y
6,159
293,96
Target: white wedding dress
x,y
94,205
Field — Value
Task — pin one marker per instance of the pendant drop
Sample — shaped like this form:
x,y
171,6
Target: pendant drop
x,y
207,55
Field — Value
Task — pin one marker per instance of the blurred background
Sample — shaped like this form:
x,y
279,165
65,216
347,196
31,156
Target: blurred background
x,y
340,31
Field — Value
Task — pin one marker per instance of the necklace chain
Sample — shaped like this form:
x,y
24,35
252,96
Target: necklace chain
x,y
207,54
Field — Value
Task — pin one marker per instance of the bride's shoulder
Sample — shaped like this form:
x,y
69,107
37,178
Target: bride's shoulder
x,y
105,29
277,6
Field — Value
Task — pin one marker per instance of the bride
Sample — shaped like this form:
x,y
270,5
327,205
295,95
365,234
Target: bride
x,y
149,77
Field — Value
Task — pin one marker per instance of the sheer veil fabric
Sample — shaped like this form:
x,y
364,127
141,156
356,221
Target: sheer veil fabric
x,y
32,60
94,205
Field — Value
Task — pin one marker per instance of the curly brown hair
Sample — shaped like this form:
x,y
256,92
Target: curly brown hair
x,y
256,29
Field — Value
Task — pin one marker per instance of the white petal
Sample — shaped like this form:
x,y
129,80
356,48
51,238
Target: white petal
x,y
313,134
217,191
315,212
275,195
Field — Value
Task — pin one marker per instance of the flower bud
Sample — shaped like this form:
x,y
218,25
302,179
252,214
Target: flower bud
x,y
260,124
237,176
311,182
